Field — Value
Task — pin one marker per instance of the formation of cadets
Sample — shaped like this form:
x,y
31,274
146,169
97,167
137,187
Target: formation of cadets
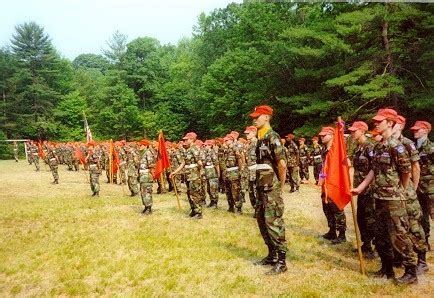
x,y
393,178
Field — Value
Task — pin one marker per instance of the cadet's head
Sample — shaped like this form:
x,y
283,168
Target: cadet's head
x,y
262,116
290,137
315,140
229,139
190,138
358,130
399,126
250,132
301,141
385,120
209,143
421,129
326,134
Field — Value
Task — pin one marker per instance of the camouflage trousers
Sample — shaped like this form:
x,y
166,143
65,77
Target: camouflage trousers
x,y
414,212
253,194
213,189
270,218
426,201
94,181
391,232
146,193
122,174
293,177
194,194
233,193
133,185
304,171
177,180
36,162
316,171
336,218
54,171
366,217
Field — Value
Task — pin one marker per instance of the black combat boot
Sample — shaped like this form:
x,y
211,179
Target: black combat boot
x,y
280,265
340,239
292,189
330,235
197,216
409,276
422,266
270,259
231,209
239,210
385,271
147,210
94,194
192,213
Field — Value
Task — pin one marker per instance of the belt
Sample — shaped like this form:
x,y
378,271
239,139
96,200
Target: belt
x,y
316,156
92,166
253,167
303,157
122,163
144,171
263,166
231,169
209,167
193,165
51,159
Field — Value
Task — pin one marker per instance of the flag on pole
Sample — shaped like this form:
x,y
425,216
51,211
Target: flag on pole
x,y
87,130
79,155
163,158
336,169
41,152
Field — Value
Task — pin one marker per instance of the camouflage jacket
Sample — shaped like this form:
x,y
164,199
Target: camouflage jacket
x,y
315,154
390,161
210,163
426,154
147,163
191,158
362,161
292,154
304,155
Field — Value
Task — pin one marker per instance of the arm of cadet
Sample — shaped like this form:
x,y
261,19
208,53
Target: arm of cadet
x,y
178,169
415,173
365,183
281,168
405,179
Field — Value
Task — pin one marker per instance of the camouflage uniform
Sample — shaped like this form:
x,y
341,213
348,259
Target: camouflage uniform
x,y
194,182
175,160
210,163
147,163
336,219
362,156
94,160
222,165
414,211
315,154
53,163
132,163
16,151
304,162
233,178
391,160
269,151
251,168
425,190
122,165
292,162
35,156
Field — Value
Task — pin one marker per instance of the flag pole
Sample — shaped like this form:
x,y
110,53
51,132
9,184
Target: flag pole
x,y
356,228
111,161
176,192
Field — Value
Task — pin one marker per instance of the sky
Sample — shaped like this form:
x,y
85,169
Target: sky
x,y
84,26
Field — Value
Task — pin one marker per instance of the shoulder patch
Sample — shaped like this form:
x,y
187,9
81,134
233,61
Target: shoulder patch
x,y
400,149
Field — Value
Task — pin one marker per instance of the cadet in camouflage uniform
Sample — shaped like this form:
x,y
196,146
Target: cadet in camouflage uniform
x,y
251,132
212,172
192,164
16,151
316,158
363,153
93,159
28,145
292,162
425,190
336,219
304,160
35,155
391,170
146,167
175,160
132,167
233,165
53,162
414,211
122,163
270,179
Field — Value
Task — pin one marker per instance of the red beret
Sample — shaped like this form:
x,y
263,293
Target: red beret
x,y
327,130
190,135
262,110
421,125
382,114
250,129
315,139
302,139
290,136
359,125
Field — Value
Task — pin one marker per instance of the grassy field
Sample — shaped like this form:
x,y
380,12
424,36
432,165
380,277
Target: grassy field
x,y
57,240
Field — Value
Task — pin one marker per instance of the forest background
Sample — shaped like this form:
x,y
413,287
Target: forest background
x,y
311,62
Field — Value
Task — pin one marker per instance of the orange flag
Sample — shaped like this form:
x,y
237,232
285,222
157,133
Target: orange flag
x,y
40,151
163,158
336,169
79,155
115,158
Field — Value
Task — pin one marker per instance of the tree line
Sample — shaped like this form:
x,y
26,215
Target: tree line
x,y
311,62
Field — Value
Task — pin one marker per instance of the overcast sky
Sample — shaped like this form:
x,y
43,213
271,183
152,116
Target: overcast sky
x,y
83,26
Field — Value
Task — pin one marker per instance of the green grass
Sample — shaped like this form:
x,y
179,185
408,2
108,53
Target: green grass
x,y
56,240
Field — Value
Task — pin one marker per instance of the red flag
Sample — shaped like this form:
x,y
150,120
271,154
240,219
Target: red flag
x,y
336,169
115,158
163,158
41,153
79,155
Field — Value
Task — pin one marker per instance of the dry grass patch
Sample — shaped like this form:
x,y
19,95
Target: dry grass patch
x,y
57,240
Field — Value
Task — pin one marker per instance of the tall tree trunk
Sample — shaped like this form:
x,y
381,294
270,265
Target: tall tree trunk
x,y
389,59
